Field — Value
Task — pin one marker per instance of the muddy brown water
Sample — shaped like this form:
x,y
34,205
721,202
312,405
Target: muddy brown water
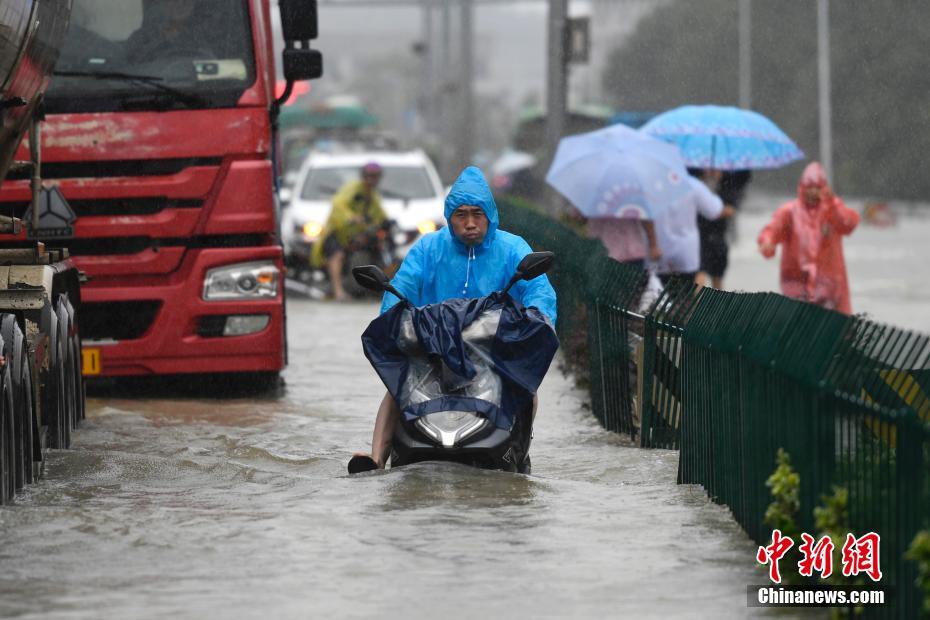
x,y
239,508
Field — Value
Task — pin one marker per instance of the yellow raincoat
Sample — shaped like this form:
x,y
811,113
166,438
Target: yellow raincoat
x,y
348,203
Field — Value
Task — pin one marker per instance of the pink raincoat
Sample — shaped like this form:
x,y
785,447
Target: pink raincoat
x,y
812,264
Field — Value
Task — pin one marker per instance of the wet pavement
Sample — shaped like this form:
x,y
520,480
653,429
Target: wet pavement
x,y
240,508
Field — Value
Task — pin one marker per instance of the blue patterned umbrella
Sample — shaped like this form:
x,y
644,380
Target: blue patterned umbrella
x,y
724,138
618,172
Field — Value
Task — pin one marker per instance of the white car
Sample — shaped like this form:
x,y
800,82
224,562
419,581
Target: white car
x,y
411,194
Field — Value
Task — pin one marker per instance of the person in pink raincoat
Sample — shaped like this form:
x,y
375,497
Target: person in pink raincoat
x,y
810,230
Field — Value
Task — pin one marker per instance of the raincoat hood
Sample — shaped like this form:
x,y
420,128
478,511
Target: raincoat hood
x,y
471,189
813,176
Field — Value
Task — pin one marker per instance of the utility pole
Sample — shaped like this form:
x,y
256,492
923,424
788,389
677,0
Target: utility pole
x,y
823,75
467,99
745,54
428,55
443,99
556,76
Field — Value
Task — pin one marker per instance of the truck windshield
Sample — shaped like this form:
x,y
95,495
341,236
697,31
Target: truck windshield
x,y
397,182
153,55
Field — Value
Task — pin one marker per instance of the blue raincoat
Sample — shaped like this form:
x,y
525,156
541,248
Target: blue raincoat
x,y
440,267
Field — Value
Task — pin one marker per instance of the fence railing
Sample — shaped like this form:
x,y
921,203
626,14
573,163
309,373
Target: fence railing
x,y
729,378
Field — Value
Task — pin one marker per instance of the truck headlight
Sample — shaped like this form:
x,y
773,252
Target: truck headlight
x,y
242,281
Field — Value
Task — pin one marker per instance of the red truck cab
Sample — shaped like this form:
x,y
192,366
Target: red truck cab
x,y
159,134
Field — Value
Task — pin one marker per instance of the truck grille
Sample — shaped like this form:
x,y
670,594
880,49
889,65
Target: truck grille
x,y
112,206
117,320
122,168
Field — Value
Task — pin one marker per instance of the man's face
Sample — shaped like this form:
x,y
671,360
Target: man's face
x,y
371,178
811,195
469,224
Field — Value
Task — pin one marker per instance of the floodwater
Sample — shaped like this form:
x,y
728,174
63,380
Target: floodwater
x,y
240,508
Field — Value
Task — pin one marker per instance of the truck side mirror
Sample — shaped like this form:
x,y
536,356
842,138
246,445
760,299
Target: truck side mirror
x,y
298,20
299,25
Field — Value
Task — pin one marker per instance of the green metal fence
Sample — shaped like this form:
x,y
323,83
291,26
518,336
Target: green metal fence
x,y
729,378
597,323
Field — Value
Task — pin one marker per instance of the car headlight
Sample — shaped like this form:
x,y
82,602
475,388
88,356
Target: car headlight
x,y
241,281
312,230
427,226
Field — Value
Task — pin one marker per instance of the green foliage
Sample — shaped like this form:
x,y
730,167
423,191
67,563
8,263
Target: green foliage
x,y
832,519
919,553
785,484
686,52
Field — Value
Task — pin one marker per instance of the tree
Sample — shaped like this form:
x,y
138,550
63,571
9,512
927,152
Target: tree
x,y
686,52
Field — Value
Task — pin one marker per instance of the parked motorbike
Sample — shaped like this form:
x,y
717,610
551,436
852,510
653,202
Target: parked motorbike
x,y
464,372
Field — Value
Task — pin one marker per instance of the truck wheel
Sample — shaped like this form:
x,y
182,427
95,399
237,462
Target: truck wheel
x,y
74,342
7,439
14,351
67,363
27,424
53,405
79,387
64,394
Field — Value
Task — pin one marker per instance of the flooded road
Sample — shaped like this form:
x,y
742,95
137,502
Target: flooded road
x,y
195,508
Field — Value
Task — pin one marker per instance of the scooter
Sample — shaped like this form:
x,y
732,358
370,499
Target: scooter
x,y
463,373
374,245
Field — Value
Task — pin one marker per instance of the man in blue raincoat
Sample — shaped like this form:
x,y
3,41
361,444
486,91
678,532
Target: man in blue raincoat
x,y
469,258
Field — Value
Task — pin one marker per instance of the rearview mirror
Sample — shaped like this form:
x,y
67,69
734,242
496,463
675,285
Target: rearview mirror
x,y
371,277
299,25
298,19
532,266
535,264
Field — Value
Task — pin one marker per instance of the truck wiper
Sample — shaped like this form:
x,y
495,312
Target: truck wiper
x,y
189,99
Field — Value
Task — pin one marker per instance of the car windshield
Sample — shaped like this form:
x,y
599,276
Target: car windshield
x,y
397,182
153,54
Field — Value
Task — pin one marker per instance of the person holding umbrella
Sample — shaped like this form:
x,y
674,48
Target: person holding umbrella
x,y
715,248
619,181
728,139
810,230
677,227
627,240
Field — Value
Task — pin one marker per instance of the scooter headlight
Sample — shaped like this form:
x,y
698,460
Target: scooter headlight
x,y
450,427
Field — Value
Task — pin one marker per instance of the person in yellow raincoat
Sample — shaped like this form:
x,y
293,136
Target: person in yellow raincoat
x,y
356,209
810,230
